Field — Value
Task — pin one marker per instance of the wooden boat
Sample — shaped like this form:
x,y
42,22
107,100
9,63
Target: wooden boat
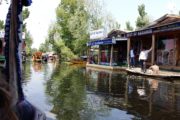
x,y
162,74
81,60
77,61
37,57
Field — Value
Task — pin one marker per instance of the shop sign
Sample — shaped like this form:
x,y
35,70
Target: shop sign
x,y
97,34
1,34
169,27
102,42
139,33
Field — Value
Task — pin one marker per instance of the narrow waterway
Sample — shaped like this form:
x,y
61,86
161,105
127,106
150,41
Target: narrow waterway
x,y
76,93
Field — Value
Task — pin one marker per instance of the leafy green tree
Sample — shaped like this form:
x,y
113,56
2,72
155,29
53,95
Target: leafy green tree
x,y
110,23
95,10
33,50
142,19
29,41
75,18
64,12
1,24
25,15
45,47
128,26
58,44
28,36
72,19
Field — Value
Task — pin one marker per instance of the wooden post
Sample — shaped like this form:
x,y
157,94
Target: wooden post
x,y
110,82
99,55
128,51
111,56
153,50
88,54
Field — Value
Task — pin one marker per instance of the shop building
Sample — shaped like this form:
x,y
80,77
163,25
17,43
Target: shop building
x,y
110,51
163,35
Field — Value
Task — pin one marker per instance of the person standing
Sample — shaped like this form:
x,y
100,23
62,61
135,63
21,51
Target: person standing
x,y
143,57
132,59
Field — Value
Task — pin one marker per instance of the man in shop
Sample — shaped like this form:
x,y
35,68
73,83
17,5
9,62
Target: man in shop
x,y
132,58
143,57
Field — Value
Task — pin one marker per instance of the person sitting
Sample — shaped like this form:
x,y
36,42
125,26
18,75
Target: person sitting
x,y
155,69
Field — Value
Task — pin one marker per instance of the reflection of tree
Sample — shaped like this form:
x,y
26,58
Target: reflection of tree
x,y
70,99
67,90
26,72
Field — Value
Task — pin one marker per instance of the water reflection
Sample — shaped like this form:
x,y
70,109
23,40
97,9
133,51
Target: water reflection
x,y
76,93
143,98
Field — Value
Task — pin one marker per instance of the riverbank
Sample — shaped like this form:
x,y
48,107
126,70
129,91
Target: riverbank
x,y
137,71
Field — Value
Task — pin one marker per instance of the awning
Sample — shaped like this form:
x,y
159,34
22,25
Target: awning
x,y
101,42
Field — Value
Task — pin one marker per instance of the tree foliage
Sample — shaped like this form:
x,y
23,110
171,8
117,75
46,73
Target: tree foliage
x,y
110,23
1,24
29,41
45,47
142,19
95,10
128,26
58,45
25,15
74,19
28,36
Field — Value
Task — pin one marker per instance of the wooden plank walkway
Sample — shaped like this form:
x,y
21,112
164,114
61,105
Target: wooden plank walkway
x,y
137,71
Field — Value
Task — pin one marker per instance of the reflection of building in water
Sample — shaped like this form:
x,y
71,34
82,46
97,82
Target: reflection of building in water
x,y
149,98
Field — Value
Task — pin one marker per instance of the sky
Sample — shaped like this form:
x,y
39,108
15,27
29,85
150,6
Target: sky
x,y
42,13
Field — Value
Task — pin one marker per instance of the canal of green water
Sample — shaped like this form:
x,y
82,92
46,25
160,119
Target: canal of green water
x,y
66,92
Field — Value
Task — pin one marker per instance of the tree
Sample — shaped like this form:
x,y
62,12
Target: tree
x,y
75,18
64,12
1,24
72,19
95,10
128,26
142,19
45,47
110,23
25,15
28,36
29,41
58,44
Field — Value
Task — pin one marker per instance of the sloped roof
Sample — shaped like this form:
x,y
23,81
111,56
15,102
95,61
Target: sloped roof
x,y
167,22
164,20
115,33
